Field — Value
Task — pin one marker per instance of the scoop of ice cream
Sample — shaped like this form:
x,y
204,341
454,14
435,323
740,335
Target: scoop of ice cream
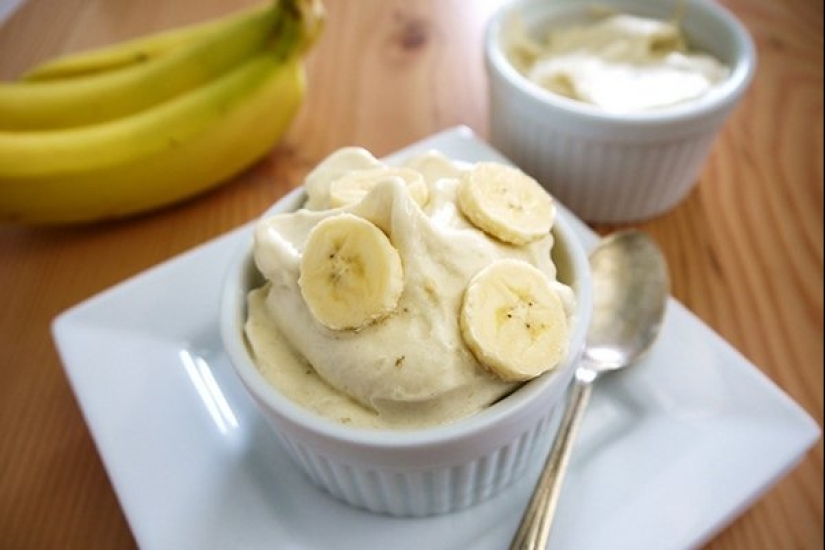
x,y
621,63
410,366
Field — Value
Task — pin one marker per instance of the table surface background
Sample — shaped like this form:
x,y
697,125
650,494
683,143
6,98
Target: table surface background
x,y
745,248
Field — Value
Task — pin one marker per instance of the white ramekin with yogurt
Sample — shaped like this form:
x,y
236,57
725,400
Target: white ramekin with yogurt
x,y
622,161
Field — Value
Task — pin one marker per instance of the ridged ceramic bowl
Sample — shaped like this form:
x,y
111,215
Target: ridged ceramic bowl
x,y
412,472
609,167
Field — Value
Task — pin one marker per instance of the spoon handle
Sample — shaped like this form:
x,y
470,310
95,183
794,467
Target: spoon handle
x,y
534,529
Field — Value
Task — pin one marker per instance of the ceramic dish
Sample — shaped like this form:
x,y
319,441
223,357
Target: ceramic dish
x,y
195,466
429,470
605,166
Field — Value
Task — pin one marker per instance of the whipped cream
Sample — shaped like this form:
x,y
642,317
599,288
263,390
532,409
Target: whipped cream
x,y
411,369
620,63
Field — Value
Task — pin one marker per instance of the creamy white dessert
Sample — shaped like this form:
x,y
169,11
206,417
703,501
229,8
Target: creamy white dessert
x,y
620,63
411,296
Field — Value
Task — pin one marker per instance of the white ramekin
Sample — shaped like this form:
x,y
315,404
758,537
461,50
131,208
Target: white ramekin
x,y
610,167
418,472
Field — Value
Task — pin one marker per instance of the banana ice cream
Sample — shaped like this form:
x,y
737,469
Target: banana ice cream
x,y
621,63
408,296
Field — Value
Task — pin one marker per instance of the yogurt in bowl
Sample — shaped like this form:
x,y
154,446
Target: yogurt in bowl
x,y
611,154
617,62
408,402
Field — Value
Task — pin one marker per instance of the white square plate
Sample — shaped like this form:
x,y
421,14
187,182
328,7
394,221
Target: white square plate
x,y
665,456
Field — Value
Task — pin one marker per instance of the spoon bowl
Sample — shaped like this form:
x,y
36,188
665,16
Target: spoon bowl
x,y
630,291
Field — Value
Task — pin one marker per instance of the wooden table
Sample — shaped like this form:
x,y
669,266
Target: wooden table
x,y
745,248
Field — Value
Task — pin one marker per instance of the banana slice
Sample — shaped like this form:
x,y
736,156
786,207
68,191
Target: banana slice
x,y
434,165
352,187
337,164
513,321
506,203
351,274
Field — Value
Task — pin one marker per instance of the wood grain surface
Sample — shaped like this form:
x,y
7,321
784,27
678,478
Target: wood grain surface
x,y
745,248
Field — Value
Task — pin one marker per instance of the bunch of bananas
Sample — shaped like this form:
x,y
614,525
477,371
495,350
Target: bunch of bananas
x,y
142,124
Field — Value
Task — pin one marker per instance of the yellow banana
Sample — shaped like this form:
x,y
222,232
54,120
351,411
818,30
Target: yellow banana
x,y
156,157
136,51
164,154
106,96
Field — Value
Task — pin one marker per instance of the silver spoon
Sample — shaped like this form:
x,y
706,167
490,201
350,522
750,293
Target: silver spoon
x,y
630,291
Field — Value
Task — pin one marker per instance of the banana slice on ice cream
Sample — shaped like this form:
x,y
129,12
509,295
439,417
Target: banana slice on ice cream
x,y
350,275
338,164
354,186
513,320
506,203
